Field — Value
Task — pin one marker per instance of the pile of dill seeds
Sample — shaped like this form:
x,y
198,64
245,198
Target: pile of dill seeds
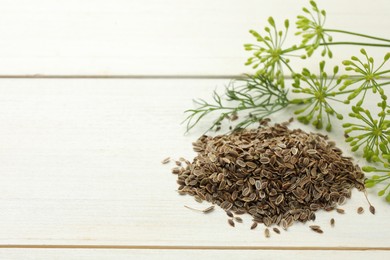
x,y
277,175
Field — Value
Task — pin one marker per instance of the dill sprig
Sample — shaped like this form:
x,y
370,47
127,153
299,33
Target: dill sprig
x,y
258,96
265,92
318,91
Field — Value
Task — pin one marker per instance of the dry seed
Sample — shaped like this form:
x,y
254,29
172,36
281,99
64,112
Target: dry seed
x,y
254,225
238,219
166,160
360,210
316,229
276,230
332,222
229,213
258,185
264,160
267,233
263,172
372,210
340,211
231,222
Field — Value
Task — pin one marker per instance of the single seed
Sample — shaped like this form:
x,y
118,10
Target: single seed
x,y
238,219
231,222
372,210
178,163
267,233
340,211
360,210
318,230
276,230
166,160
254,225
332,222
229,213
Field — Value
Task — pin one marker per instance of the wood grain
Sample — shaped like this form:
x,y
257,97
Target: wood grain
x,y
150,37
80,162
82,254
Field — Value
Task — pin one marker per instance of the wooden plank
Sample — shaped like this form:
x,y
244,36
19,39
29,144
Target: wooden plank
x,y
80,165
28,254
138,38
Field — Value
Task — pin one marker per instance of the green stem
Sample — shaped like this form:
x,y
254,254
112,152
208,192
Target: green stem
x,y
352,90
338,43
357,34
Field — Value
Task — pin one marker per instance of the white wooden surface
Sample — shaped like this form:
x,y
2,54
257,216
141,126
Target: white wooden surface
x,y
152,37
80,158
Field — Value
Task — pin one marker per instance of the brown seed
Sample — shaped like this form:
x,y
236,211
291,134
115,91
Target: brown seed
x,y
372,210
229,213
360,210
316,229
240,163
267,234
276,230
277,175
279,199
332,222
340,211
166,160
254,225
231,222
258,185
238,219
284,224
294,151
264,160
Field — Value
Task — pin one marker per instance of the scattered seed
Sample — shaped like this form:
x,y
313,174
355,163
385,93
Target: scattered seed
x,y
276,230
316,229
238,219
340,211
372,210
254,225
229,213
332,222
166,160
267,234
231,222
360,210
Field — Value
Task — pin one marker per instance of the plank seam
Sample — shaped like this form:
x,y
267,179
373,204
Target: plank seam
x,y
155,247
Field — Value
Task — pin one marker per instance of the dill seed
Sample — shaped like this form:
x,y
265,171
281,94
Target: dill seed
x,y
316,228
360,210
267,234
238,219
231,222
276,230
166,160
254,225
178,163
372,210
332,222
241,172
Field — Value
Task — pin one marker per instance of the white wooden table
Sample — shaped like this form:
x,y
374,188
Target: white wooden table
x,y
92,94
